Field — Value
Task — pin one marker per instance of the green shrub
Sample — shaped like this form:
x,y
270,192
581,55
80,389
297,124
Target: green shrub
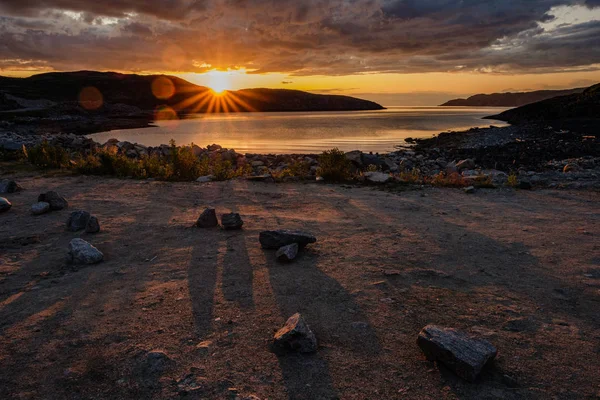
x,y
46,156
334,166
512,180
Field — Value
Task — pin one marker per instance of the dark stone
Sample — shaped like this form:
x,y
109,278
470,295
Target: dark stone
x,y
8,186
92,226
295,336
277,239
56,201
232,221
469,190
208,219
464,355
78,220
5,205
40,208
525,185
81,252
287,253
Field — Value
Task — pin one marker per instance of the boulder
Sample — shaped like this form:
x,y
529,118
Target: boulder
x,y
465,164
81,252
355,157
377,177
296,336
78,220
373,159
464,355
40,208
208,219
93,225
56,201
287,253
8,186
276,239
232,221
5,205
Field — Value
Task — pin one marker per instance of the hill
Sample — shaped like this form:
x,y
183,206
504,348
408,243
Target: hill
x,y
509,99
580,107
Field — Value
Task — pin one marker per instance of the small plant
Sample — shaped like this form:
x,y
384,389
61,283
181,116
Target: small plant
x,y
448,180
46,156
372,168
414,176
335,166
512,180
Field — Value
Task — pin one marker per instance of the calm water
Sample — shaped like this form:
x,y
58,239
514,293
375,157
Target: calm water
x,y
310,132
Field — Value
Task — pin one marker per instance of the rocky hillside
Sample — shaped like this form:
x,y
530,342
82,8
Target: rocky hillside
x,y
509,99
582,108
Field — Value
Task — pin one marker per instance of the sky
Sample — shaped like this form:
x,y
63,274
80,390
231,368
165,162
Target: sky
x,y
397,52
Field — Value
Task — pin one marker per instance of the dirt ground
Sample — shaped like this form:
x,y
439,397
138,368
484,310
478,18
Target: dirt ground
x,y
519,268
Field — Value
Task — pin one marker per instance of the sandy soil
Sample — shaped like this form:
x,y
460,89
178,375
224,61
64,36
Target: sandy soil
x,y
521,269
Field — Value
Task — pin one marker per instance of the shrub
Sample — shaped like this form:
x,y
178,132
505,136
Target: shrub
x,y
448,180
512,180
47,156
414,176
335,166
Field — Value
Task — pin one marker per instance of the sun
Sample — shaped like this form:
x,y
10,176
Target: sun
x,y
219,81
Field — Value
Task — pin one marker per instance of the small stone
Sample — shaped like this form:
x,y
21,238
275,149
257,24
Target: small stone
x,y
469,190
40,208
571,168
78,220
208,219
464,355
56,201
81,252
296,336
391,272
287,253
377,177
232,221
524,185
9,186
5,205
280,238
93,226
206,179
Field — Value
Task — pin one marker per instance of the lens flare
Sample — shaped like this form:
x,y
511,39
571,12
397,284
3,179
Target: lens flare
x,y
163,88
165,113
90,98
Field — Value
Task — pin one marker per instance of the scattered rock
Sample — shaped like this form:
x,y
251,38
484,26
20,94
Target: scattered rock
x,y
40,208
81,252
205,179
469,190
287,253
208,219
296,336
93,225
8,186
232,221
464,355
5,205
78,220
56,201
377,177
280,238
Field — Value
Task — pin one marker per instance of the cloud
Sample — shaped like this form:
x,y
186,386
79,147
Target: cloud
x,y
313,37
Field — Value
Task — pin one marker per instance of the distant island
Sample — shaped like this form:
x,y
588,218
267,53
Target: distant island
x,y
509,99
89,101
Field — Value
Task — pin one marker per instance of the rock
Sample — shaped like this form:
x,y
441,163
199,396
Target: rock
x,y
372,159
56,201
5,205
261,178
256,164
568,168
81,252
377,177
205,179
78,220
155,363
465,164
93,225
208,219
232,221
355,157
464,355
280,238
8,186
296,336
214,147
40,208
524,185
287,253
469,189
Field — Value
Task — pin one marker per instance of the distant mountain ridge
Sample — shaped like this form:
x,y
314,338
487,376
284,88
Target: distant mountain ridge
x,y
136,90
509,99
583,107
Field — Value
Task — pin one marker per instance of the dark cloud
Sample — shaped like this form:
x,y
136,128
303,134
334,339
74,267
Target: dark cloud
x,y
332,37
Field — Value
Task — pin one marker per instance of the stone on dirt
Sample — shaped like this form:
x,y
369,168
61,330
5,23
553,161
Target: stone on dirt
x,y
40,208
81,252
280,238
296,336
232,221
5,205
56,201
93,225
208,219
9,186
287,253
377,177
78,220
205,179
464,355
469,190
524,185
